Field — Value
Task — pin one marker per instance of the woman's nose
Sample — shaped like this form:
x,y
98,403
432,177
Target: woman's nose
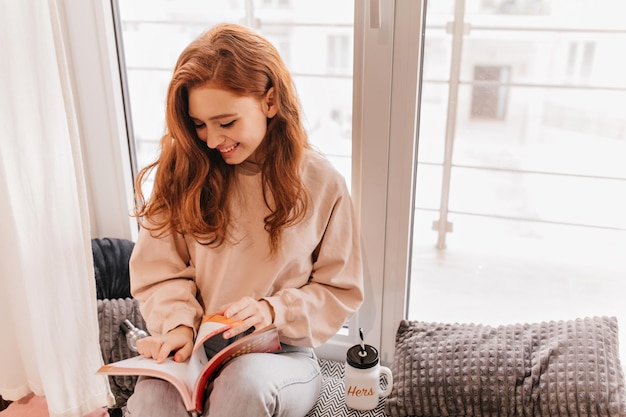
x,y
213,140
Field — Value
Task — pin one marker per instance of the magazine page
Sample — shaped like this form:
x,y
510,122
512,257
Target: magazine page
x,y
175,373
211,325
196,362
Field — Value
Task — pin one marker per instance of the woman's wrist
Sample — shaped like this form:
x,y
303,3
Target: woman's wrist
x,y
270,309
182,329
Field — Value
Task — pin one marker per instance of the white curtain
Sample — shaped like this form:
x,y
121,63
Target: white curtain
x,y
48,319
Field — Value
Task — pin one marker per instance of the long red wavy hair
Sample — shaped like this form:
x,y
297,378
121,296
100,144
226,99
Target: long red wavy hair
x,y
190,194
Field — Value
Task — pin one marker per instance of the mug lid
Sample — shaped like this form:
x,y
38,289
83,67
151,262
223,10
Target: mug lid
x,y
362,359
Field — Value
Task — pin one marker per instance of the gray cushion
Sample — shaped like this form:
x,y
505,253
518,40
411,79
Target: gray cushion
x,y
110,263
113,341
564,368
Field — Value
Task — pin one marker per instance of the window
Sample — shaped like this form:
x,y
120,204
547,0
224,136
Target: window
x,y
520,198
521,215
154,33
340,53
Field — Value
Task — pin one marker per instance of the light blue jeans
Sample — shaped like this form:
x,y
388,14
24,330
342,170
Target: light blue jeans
x,y
286,384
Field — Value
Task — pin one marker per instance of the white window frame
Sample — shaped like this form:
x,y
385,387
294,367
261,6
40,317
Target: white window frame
x,y
387,70
387,159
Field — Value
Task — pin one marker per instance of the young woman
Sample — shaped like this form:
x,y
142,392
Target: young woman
x,y
246,220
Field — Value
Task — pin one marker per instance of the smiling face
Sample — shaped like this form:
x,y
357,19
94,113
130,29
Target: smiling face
x,y
233,125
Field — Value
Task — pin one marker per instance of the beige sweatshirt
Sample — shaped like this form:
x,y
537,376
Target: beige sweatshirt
x,y
314,282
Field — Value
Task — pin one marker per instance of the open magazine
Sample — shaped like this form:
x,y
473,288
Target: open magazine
x,y
210,353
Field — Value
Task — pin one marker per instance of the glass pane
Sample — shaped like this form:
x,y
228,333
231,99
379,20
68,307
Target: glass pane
x,y
544,129
495,272
433,109
523,213
317,46
533,197
557,56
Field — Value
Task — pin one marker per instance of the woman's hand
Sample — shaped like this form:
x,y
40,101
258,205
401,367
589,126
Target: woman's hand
x,y
257,313
178,340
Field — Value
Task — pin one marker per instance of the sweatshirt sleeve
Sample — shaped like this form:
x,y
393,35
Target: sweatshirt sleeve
x,y
311,314
162,279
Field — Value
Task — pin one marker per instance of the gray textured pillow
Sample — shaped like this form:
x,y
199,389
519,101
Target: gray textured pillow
x,y
564,368
113,341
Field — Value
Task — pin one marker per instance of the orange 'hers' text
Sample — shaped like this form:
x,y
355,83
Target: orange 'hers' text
x,y
359,392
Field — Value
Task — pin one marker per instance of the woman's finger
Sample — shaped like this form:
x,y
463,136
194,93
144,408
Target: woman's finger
x,y
237,310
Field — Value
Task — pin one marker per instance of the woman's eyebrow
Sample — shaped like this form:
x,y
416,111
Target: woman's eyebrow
x,y
216,117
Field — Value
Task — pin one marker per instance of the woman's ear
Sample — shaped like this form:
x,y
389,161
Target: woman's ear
x,y
269,103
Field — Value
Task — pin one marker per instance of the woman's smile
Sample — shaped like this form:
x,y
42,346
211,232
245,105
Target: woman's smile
x,y
225,151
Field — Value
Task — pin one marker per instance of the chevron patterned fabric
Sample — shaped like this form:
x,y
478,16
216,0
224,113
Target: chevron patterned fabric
x,y
331,402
